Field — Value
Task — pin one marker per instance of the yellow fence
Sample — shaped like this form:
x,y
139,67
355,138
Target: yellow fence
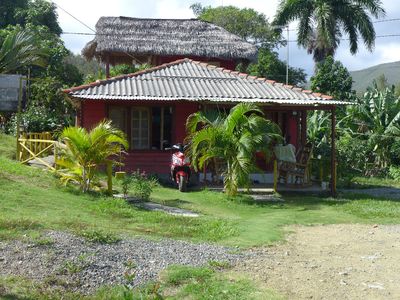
x,y
36,146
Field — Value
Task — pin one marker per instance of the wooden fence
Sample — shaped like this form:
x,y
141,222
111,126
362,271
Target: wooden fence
x,y
38,146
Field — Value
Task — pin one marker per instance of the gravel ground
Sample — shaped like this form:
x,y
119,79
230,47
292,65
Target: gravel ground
x,y
330,262
72,263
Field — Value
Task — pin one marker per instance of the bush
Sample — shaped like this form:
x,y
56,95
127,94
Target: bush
x,y
140,185
394,173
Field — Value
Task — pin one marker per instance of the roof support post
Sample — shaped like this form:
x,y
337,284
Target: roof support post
x,y
333,152
107,65
303,127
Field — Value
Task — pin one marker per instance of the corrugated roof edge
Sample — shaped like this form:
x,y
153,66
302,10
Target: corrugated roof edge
x,y
176,62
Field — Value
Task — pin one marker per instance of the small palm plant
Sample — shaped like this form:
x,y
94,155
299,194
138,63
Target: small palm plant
x,y
234,139
86,151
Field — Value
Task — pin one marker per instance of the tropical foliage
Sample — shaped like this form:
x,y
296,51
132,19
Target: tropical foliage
x,y
333,79
234,139
270,66
377,120
247,23
86,151
20,49
322,23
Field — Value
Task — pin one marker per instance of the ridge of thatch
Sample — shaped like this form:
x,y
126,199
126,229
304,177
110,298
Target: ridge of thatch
x,y
166,37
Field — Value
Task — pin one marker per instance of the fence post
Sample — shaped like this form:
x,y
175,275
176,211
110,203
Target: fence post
x,y
275,176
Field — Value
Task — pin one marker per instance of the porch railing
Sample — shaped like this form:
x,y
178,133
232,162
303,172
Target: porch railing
x,y
318,171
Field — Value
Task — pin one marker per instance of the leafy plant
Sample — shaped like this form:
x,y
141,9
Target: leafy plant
x,y
96,236
233,139
377,120
86,151
142,186
332,78
394,172
19,49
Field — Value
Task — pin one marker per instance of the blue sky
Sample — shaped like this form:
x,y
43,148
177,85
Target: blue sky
x,y
89,11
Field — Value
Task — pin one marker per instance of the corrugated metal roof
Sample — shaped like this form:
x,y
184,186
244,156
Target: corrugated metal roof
x,y
194,81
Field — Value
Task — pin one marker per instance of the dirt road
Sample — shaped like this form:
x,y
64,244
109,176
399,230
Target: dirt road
x,y
331,262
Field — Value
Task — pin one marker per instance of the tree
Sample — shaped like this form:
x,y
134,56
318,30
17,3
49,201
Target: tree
x,y
234,139
86,151
20,49
271,67
332,78
322,22
23,12
247,23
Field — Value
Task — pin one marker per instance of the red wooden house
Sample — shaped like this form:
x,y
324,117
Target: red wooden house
x,y
152,106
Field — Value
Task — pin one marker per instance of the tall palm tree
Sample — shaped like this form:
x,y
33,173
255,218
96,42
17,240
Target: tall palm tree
x,y
86,151
19,49
234,139
322,23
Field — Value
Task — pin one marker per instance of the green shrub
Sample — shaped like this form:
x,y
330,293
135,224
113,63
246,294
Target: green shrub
x,y
96,236
139,185
394,173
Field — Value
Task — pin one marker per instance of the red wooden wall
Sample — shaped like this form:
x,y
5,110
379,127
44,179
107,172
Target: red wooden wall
x,y
158,161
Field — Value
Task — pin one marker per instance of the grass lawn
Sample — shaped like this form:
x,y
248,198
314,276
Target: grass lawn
x,y
32,200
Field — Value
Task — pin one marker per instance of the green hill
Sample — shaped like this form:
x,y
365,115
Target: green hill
x,y
363,78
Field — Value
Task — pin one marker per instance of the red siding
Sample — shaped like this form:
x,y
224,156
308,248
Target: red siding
x,y
182,111
152,162
92,113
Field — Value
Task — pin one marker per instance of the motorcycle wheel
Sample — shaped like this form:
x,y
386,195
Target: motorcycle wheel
x,y
182,183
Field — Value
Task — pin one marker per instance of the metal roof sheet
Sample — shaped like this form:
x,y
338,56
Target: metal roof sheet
x,y
194,81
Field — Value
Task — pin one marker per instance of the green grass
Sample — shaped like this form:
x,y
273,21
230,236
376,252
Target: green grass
x,y
371,182
177,282
8,145
32,201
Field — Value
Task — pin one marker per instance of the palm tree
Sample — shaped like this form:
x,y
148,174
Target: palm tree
x,y
20,49
86,151
322,22
234,139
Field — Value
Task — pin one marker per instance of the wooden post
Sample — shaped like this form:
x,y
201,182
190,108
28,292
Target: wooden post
x,y
275,176
109,177
107,65
304,127
333,152
162,129
19,116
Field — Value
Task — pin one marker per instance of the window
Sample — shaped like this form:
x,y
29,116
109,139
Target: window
x,y
117,115
145,127
140,128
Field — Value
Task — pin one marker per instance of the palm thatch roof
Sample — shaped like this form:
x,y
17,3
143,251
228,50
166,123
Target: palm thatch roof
x,y
166,37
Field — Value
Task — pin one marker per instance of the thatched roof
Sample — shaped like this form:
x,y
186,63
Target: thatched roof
x,y
177,37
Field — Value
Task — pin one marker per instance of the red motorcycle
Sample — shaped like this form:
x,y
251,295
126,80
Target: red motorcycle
x,y
180,167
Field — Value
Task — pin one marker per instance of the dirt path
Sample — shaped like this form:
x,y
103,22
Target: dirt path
x,y
332,262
